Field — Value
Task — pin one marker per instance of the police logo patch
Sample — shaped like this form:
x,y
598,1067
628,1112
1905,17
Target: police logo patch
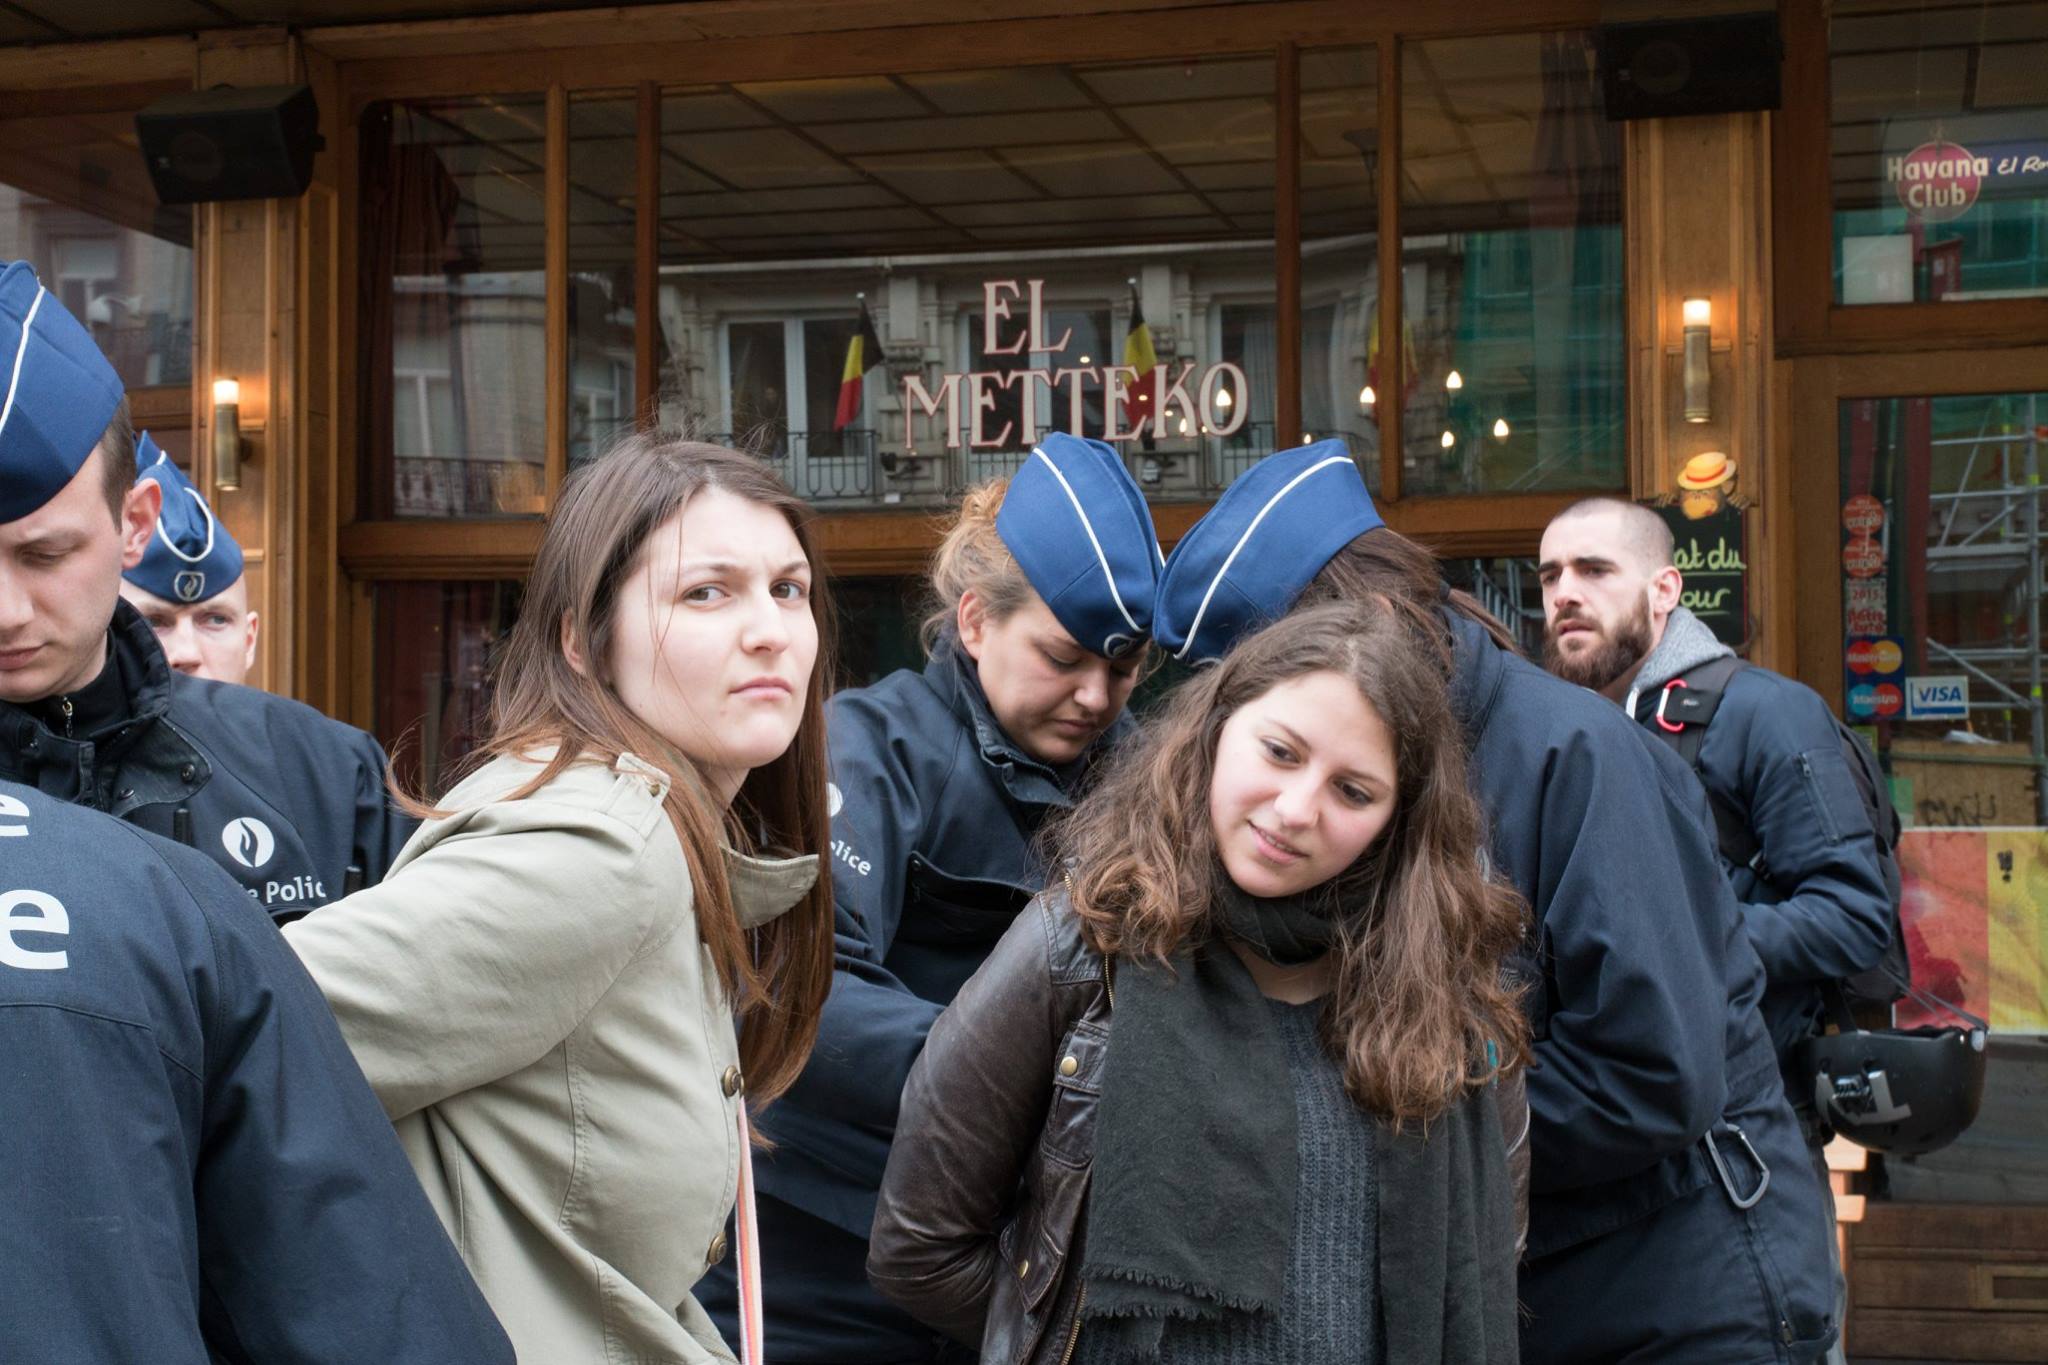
x,y
248,841
189,585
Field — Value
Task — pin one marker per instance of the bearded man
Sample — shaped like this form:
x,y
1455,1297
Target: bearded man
x,y
1813,892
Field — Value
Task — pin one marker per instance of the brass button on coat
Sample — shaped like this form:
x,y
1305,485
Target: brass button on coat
x,y
732,1081
1023,1269
1069,1065
717,1251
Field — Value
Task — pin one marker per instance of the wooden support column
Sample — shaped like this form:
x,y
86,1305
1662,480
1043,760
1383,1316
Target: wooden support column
x,y
1698,225
268,315
247,314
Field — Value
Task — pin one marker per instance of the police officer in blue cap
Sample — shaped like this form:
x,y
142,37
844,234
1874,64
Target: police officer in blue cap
x,y
1673,1216
291,803
940,778
188,584
196,1170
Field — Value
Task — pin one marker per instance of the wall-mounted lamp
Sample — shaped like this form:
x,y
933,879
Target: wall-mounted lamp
x,y
1698,317
227,435
1366,397
1500,429
1454,381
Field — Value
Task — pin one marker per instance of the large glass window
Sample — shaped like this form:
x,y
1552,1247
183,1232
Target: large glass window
x,y
1340,159
1511,268
602,182
77,203
454,307
896,283
1944,544
1940,149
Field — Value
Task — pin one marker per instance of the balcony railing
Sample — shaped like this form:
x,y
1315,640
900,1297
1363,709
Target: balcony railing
x,y
857,468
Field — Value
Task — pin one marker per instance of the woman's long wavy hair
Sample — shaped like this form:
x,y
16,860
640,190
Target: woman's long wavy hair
x,y
777,977
1422,931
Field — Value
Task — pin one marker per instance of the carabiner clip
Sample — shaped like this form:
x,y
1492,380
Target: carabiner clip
x,y
1728,1181
1663,700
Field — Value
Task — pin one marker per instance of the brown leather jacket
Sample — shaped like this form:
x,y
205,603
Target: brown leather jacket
x,y
979,1226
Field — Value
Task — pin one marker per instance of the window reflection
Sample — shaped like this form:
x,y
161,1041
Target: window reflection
x,y
1340,154
1940,168
455,306
602,180
77,203
1512,267
1124,191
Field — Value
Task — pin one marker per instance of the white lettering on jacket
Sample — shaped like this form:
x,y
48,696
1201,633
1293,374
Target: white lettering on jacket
x,y
50,918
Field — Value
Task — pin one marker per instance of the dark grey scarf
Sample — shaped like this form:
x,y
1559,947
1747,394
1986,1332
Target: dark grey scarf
x,y
1192,1187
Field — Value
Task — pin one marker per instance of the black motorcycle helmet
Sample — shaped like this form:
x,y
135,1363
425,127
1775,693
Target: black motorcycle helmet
x,y
1904,1092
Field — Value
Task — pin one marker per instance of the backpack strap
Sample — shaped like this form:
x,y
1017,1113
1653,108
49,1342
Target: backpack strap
x,y
1682,711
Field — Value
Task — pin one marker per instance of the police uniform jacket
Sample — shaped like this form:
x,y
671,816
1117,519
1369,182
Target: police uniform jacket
x,y
196,1172
1643,991
530,997
282,797
932,858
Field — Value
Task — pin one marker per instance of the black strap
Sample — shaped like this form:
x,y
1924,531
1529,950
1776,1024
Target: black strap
x,y
1689,702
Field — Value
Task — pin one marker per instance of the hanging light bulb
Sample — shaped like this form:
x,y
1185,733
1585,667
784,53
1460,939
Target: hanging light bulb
x,y
1454,381
1086,361
1183,426
1223,398
1500,428
1449,440
1366,397
1307,436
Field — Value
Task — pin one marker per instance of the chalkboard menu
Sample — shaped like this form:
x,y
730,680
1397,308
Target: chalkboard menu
x,y
1710,553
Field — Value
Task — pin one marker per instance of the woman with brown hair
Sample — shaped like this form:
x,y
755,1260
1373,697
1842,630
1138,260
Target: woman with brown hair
x,y
1246,1087
614,928
941,778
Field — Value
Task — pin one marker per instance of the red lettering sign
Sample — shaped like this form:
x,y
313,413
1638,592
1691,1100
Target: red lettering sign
x,y
1887,699
1937,181
1862,557
1861,655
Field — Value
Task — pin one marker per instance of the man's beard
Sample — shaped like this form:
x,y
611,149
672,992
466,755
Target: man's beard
x,y
1613,656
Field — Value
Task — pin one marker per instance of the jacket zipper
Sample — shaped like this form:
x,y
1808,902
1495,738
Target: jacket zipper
x,y
1074,1334
1109,989
66,704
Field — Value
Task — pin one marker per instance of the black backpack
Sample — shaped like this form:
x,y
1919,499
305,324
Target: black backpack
x,y
1687,706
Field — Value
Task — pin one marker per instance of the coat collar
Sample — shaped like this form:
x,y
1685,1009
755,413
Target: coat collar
x,y
762,888
951,674
156,763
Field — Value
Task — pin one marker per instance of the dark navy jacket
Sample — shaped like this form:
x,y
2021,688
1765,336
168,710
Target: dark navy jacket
x,y
282,797
1773,756
1644,993
196,1170
934,812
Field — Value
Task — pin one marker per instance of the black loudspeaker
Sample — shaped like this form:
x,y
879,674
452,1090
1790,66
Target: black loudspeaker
x,y
1720,65
253,142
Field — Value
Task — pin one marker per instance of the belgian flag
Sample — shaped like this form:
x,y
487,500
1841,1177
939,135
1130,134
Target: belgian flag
x,y
1139,355
863,353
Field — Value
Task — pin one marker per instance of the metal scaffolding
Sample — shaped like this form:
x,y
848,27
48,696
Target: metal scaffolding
x,y
1986,537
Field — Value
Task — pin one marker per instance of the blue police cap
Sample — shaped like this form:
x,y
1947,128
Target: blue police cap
x,y
1080,530
1272,531
191,557
60,394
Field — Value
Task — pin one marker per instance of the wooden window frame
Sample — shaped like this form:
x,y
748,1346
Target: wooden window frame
x,y
566,53
1809,321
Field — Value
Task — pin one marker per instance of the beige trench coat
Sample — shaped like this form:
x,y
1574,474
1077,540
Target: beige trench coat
x,y
527,994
